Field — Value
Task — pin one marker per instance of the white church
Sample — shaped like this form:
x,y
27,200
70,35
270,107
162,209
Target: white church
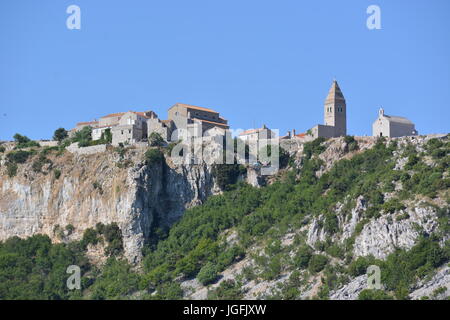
x,y
392,126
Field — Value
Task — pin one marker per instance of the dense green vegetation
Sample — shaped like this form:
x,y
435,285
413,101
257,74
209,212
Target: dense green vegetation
x,y
154,156
267,213
24,142
60,134
34,268
155,140
196,246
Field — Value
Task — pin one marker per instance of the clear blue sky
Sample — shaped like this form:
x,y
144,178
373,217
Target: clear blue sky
x,y
254,61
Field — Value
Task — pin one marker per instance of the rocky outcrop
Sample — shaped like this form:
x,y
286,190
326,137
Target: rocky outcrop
x,y
381,236
438,287
351,290
94,188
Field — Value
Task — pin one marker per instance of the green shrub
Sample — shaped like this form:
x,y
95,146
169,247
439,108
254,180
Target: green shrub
x,y
154,156
57,173
350,144
24,142
207,274
359,266
227,174
70,228
106,137
113,235
19,156
11,169
35,269
314,147
393,205
116,281
317,263
155,140
2,149
39,163
331,224
60,134
227,290
90,236
303,256
83,136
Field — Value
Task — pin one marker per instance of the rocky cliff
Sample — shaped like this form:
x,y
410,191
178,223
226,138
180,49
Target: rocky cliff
x,y
102,187
81,190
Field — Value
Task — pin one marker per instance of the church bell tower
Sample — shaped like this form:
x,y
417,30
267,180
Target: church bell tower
x,y
336,110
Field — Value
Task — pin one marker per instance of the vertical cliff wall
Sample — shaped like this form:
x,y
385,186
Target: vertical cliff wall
x,y
102,187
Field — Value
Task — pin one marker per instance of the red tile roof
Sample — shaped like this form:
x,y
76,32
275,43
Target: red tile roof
x,y
212,122
86,123
195,107
119,114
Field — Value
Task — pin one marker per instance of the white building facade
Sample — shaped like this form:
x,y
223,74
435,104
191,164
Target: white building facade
x,y
392,126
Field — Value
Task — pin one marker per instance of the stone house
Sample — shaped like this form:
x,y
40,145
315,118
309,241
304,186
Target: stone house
x,y
183,118
131,127
257,134
163,127
392,126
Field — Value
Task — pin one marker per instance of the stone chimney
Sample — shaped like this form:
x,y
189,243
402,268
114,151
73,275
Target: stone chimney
x,y
293,132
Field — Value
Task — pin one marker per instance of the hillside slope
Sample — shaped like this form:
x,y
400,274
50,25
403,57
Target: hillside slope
x,y
339,206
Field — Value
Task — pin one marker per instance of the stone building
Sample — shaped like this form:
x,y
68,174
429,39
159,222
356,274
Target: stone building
x,y
392,126
335,115
257,134
131,127
195,118
163,127
187,118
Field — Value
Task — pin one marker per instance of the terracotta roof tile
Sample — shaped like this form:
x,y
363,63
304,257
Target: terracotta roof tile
x,y
86,123
216,123
196,107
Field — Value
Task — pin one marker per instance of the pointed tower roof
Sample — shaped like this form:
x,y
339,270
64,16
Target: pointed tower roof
x,y
335,93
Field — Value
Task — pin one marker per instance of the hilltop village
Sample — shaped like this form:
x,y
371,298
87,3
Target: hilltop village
x,y
136,127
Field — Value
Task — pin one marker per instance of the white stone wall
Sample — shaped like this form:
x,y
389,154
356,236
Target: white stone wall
x,y
49,143
74,148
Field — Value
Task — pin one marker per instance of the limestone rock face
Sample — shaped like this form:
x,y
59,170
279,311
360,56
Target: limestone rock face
x,y
441,280
351,290
381,236
92,189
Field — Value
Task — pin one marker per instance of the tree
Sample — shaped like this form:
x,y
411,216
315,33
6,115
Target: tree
x,y
154,156
155,140
84,136
24,141
303,256
106,136
317,263
207,274
21,139
60,134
